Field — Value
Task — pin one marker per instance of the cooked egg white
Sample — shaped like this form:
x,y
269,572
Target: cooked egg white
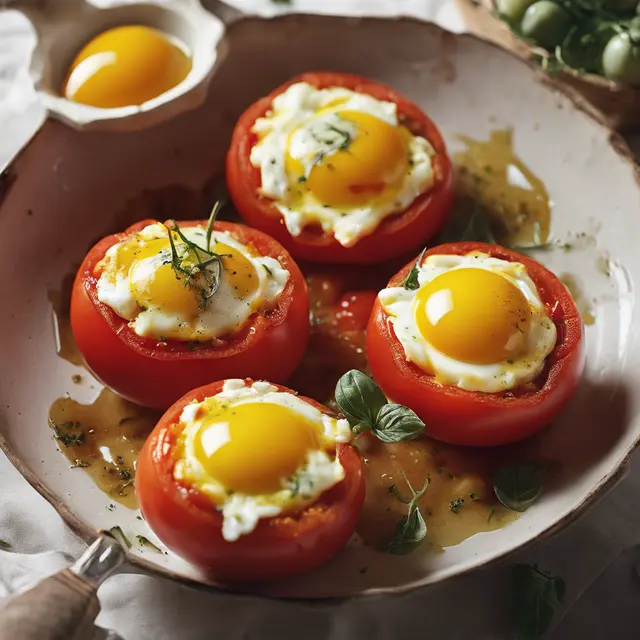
x,y
258,452
338,159
139,281
475,322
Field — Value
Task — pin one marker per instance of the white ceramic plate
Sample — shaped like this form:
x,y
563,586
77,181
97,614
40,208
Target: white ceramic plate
x,y
65,188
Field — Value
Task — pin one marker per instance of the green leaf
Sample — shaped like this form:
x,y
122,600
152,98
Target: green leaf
x,y
211,222
412,529
5,546
397,423
519,487
474,227
145,542
360,399
411,281
536,596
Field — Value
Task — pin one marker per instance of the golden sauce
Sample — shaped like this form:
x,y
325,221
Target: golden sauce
x,y
104,438
584,305
491,175
458,502
60,300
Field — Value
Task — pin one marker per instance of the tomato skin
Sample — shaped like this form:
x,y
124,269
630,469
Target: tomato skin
x,y
155,374
353,310
473,418
188,523
394,236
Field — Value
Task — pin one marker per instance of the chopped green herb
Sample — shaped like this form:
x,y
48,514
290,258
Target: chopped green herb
x,y
411,281
5,546
456,505
118,534
145,542
67,439
125,474
269,272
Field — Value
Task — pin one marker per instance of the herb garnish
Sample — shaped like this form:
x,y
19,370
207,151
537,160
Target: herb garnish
x,y
519,487
118,534
365,407
5,546
536,596
67,439
412,529
199,267
456,505
411,281
145,542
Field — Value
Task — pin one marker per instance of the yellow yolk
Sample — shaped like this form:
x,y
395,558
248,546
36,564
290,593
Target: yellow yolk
x,y
374,161
125,66
238,270
252,448
473,315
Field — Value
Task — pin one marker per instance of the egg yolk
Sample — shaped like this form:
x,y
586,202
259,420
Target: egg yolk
x,y
473,315
238,270
374,160
252,448
125,66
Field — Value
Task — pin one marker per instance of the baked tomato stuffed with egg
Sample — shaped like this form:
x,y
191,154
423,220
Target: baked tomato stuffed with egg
x,y
340,169
157,313
250,481
484,344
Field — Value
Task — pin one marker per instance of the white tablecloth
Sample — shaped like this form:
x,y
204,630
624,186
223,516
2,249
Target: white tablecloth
x,y
471,608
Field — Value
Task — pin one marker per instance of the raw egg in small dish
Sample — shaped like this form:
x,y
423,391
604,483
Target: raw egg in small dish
x,y
484,344
250,481
164,308
126,65
334,161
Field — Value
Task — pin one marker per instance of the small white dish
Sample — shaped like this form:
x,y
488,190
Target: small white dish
x,y
62,29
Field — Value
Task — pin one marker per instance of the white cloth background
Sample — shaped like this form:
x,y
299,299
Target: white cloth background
x,y
475,607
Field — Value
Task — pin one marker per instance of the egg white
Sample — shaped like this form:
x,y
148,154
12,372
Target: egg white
x,y
226,312
400,304
296,109
241,512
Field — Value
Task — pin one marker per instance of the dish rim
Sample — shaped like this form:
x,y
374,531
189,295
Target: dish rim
x,y
607,482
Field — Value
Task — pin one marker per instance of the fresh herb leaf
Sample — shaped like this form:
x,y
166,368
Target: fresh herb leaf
x,y
536,596
211,222
474,227
397,423
412,529
5,546
269,272
519,487
67,439
125,474
364,405
360,400
456,505
145,542
411,281
118,534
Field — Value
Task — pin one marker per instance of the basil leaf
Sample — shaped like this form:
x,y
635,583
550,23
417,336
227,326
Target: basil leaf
x,y
536,596
519,487
397,423
409,533
473,227
360,399
411,281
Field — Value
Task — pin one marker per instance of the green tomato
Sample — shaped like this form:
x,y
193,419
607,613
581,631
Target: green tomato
x,y
513,10
621,60
546,23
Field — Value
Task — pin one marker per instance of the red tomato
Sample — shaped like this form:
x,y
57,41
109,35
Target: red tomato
x,y
354,309
156,373
395,235
189,523
470,417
